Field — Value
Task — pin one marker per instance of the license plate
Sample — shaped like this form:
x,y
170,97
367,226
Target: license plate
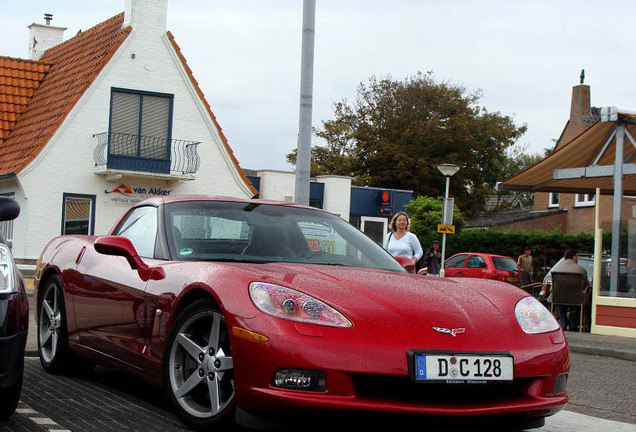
x,y
512,279
463,368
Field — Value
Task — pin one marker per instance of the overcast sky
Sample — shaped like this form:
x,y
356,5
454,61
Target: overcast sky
x,y
525,56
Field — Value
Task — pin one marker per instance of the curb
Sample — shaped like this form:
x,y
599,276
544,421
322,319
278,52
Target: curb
x,y
604,352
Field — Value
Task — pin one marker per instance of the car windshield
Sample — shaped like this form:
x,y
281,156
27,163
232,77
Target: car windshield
x,y
257,232
506,264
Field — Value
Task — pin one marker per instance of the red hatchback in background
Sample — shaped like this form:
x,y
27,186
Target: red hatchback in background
x,y
484,266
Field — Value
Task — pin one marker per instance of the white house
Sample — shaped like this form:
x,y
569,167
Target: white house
x,y
103,120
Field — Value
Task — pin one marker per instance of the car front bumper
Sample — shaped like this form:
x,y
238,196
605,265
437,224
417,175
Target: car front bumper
x,y
372,375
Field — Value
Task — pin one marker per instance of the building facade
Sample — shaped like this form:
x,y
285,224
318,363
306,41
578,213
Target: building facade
x,y
101,121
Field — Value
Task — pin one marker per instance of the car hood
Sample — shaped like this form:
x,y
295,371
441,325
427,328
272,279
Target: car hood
x,y
366,292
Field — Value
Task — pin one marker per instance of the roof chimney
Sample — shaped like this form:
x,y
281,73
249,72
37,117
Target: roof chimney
x,y
147,17
43,37
580,112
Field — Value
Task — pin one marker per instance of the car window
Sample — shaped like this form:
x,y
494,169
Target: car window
x,y
503,263
476,261
140,227
456,261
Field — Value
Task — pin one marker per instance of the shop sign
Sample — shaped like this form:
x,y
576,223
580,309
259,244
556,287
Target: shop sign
x,y
129,195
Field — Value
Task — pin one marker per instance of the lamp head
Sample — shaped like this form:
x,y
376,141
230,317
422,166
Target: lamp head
x,y
448,170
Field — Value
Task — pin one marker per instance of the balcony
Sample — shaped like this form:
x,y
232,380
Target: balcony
x,y
123,155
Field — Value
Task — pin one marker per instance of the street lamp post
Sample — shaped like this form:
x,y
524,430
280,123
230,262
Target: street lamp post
x,y
448,170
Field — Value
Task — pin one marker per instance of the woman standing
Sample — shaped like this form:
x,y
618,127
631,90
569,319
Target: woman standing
x,y
400,241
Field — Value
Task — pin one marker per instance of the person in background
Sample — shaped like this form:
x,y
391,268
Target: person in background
x,y
525,266
570,265
433,259
401,242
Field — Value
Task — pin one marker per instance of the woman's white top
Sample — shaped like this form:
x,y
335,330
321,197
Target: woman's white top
x,y
408,246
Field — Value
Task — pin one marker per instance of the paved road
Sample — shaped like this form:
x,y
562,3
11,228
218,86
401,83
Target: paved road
x,y
603,387
110,401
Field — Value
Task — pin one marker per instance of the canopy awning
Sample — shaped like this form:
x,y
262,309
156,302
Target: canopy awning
x,y
598,159
587,162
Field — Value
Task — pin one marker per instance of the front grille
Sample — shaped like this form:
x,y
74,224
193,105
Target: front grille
x,y
402,389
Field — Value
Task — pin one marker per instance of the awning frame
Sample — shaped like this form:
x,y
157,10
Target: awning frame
x,y
574,179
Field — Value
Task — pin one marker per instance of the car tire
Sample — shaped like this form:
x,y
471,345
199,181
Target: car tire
x,y
53,347
9,397
198,370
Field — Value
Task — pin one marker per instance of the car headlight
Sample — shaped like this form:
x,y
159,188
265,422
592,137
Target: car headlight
x,y
6,269
533,317
290,304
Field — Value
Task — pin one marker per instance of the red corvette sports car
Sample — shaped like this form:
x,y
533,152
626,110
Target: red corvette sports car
x,y
244,309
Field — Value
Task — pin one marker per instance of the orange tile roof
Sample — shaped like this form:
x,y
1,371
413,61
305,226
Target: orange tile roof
x,y
19,79
72,67
64,73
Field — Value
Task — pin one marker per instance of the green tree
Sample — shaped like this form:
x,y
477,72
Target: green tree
x,y
395,134
426,214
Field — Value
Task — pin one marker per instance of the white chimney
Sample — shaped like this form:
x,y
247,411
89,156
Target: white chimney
x,y
43,37
147,16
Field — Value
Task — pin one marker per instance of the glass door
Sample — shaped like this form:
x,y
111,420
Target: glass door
x,y
374,227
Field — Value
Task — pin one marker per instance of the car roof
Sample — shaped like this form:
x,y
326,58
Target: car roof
x,y
483,254
161,200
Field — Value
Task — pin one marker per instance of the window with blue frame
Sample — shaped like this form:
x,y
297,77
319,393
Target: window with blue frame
x,y
140,130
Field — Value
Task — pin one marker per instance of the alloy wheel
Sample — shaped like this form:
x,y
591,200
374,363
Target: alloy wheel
x,y
50,323
200,365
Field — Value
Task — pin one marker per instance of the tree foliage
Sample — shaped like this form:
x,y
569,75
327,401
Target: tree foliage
x,y
426,214
395,134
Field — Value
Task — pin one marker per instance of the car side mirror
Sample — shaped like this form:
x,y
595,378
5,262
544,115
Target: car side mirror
x,y
407,263
9,208
123,247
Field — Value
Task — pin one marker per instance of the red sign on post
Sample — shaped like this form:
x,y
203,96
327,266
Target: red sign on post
x,y
386,203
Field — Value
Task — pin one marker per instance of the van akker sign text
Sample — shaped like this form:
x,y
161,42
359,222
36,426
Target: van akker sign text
x,y
128,195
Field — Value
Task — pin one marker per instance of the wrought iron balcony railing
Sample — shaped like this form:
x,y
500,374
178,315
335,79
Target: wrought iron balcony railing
x,y
143,153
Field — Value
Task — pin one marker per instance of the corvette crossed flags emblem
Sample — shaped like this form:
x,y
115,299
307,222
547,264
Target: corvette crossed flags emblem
x,y
452,332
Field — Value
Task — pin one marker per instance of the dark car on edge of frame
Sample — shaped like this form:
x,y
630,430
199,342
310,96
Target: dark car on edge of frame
x,y
14,319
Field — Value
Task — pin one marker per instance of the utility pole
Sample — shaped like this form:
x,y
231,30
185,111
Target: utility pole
x,y
303,154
